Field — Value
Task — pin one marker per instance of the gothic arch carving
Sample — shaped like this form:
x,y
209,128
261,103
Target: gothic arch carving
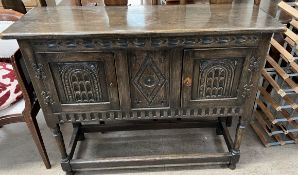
x,y
216,79
81,82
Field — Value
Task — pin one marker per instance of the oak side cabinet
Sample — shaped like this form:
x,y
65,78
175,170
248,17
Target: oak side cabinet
x,y
145,64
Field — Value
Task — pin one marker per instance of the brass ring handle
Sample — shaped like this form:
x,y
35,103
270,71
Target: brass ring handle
x,y
187,81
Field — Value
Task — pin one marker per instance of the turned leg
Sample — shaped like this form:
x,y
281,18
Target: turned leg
x,y
102,123
81,134
36,135
61,145
219,130
229,121
237,142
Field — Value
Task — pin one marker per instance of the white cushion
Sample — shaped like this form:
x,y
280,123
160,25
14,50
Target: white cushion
x,y
16,108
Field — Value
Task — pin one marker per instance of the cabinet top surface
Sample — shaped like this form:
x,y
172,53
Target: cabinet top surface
x,y
52,22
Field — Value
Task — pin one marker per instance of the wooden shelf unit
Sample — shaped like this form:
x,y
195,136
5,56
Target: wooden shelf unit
x,y
276,106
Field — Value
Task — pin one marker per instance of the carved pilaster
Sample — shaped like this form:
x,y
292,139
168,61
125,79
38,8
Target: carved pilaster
x,y
47,98
254,64
39,71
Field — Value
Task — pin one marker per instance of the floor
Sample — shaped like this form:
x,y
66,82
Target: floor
x,y
19,155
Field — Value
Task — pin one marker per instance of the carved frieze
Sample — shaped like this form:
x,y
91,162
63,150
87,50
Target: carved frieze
x,y
219,111
146,42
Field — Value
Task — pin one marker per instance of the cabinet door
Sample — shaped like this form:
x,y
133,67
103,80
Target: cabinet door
x,y
154,77
80,81
214,76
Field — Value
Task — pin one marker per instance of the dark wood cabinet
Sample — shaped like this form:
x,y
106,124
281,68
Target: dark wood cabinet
x,y
163,71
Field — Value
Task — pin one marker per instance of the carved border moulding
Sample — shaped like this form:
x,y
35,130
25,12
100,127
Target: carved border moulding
x,y
150,114
142,42
47,98
39,71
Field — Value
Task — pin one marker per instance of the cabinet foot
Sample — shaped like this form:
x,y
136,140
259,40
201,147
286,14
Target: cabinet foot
x,y
81,135
232,166
234,159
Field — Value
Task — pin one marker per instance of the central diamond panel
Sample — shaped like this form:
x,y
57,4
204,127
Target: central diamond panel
x,y
149,79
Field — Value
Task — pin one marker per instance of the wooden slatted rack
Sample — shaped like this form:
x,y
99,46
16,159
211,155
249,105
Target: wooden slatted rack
x,y
276,106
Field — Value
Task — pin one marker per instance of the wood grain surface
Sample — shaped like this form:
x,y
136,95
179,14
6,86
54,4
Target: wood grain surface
x,y
189,19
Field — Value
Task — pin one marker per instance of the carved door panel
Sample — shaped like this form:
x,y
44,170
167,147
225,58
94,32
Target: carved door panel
x,y
80,81
151,77
214,77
